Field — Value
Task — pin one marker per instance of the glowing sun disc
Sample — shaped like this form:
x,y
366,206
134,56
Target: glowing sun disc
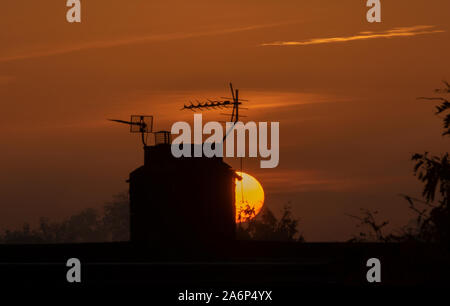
x,y
248,192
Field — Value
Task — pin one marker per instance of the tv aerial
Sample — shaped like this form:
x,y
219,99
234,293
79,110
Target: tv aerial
x,y
139,124
234,102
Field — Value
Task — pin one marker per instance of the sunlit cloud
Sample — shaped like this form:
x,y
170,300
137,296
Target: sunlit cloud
x,y
135,40
267,100
395,32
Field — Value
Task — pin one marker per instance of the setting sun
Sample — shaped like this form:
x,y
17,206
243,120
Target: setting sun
x,y
249,195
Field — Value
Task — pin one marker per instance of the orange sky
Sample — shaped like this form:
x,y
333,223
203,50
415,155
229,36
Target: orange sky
x,y
343,90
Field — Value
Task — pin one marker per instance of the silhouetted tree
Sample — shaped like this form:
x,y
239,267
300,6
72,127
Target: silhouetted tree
x,y
434,172
25,235
266,226
116,218
85,226
90,226
372,229
444,107
432,223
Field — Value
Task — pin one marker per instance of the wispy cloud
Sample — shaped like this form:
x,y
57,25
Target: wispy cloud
x,y
51,51
395,32
296,180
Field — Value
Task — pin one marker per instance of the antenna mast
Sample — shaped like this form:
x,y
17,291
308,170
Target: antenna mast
x,y
234,102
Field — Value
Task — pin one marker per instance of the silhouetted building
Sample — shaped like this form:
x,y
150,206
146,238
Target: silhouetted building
x,y
187,199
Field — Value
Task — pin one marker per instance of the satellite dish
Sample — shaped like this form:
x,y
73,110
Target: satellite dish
x,y
139,124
